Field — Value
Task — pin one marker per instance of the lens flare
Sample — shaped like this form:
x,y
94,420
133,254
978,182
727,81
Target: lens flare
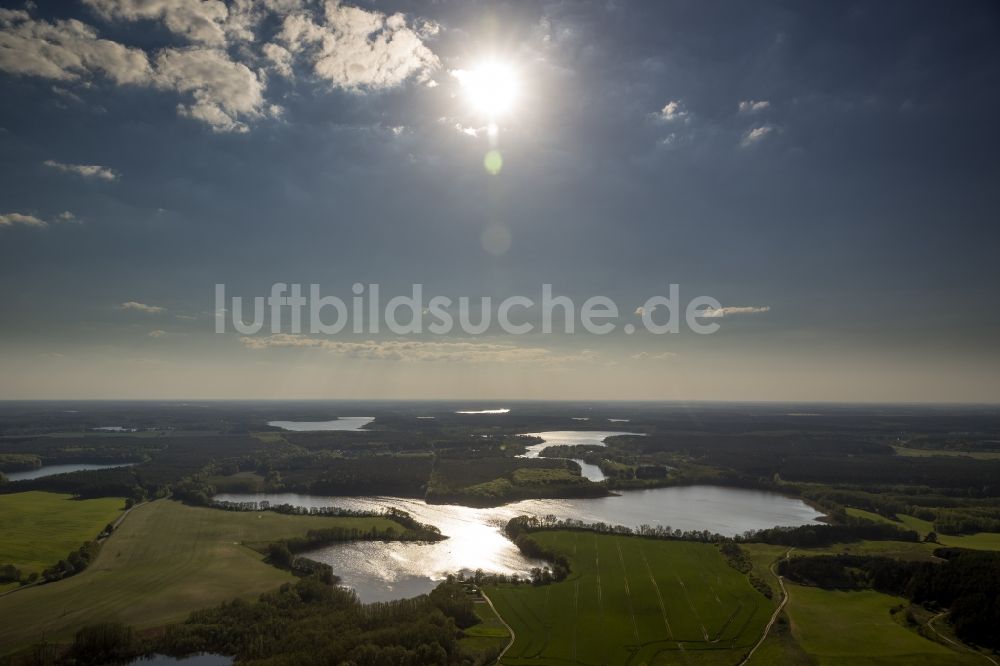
x,y
491,88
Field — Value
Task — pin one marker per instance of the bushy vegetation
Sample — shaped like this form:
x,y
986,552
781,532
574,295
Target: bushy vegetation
x,y
812,536
103,643
494,480
311,622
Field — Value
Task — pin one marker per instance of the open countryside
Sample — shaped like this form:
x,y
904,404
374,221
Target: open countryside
x,y
38,529
633,600
165,561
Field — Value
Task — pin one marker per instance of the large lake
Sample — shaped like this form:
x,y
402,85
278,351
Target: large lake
x,y
342,423
382,571
52,470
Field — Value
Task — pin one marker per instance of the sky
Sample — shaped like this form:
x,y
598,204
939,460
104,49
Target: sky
x,y
827,172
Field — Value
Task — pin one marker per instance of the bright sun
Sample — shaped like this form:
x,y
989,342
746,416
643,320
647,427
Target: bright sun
x,y
492,88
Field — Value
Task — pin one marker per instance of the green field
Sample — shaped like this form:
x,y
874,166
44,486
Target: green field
x,y
39,529
980,541
931,453
488,634
839,628
633,600
164,561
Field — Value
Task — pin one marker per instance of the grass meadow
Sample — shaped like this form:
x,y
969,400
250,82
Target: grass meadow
x,y
39,528
980,541
164,561
838,628
633,600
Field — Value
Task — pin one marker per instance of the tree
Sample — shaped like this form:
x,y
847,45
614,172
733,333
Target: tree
x,y
9,573
104,643
280,555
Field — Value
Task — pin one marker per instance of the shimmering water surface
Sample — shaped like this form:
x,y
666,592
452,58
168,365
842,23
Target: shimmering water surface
x,y
52,470
570,438
381,571
574,438
342,423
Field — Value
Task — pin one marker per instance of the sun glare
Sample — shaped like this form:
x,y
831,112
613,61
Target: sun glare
x,y
492,88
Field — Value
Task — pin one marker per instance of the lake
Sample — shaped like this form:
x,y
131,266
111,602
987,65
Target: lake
x,y
52,470
574,438
383,571
342,423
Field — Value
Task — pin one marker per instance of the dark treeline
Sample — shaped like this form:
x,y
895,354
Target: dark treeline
x,y
420,531
518,530
967,583
310,622
520,524
15,452
950,515
323,537
491,480
740,560
820,458
811,536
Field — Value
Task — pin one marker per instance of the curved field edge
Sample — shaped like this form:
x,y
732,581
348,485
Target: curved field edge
x,y
164,561
838,627
41,528
633,600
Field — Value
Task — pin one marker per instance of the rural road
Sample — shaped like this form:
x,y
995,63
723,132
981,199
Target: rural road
x,y
503,621
777,611
964,648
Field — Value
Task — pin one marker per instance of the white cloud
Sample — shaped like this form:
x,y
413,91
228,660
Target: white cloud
x,y
200,21
359,49
734,310
672,111
11,219
753,106
225,92
351,47
420,350
756,135
470,131
66,51
279,58
141,307
158,333
653,356
85,170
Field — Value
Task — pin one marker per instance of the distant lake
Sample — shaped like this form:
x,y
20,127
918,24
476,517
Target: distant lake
x,y
52,470
571,438
383,571
574,438
342,423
